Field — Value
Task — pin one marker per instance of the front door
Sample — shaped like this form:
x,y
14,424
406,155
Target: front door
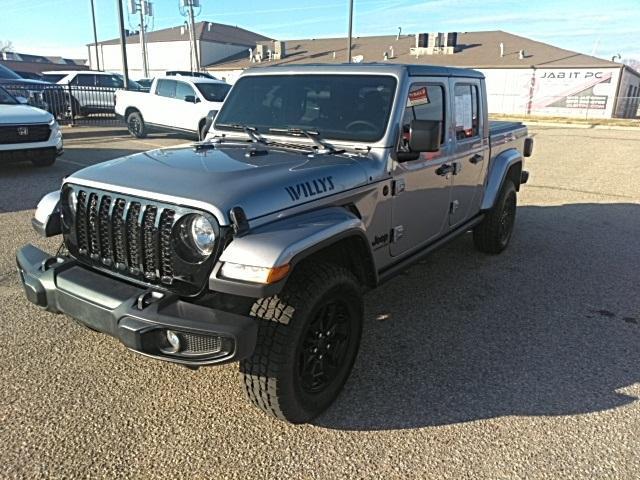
x,y
471,151
185,111
422,186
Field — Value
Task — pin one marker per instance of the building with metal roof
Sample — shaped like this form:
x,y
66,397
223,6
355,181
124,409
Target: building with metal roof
x,y
523,76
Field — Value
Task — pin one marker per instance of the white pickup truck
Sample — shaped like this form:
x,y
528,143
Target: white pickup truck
x,y
182,104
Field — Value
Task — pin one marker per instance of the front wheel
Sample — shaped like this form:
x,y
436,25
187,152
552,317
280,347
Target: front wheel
x,y
308,339
492,235
135,125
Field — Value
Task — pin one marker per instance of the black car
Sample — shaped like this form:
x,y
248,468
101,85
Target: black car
x,y
187,73
38,93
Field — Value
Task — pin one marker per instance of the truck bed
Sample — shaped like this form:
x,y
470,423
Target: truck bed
x,y
504,135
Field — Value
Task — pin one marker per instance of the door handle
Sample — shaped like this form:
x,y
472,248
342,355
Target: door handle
x,y
445,169
477,158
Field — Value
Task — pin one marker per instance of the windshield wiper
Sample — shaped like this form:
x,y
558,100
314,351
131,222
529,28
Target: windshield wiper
x,y
252,132
322,146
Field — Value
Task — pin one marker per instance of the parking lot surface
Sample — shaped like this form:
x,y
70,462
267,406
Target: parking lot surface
x,y
523,365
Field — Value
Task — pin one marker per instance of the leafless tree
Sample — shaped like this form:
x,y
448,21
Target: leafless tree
x,y
633,63
6,46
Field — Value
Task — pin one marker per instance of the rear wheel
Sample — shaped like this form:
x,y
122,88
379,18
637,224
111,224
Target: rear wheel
x,y
493,234
308,339
135,125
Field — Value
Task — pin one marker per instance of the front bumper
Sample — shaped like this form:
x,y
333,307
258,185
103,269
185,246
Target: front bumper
x,y
138,317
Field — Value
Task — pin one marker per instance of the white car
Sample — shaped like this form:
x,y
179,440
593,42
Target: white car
x,y
184,104
27,133
89,91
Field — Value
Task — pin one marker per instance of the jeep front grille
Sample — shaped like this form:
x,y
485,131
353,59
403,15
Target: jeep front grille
x,y
132,237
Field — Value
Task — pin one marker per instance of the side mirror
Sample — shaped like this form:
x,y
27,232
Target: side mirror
x,y
22,100
424,135
190,99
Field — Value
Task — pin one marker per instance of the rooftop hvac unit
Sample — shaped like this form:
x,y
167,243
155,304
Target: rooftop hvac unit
x,y
452,39
435,44
279,50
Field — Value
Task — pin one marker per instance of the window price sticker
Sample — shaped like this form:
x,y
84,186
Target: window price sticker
x,y
418,97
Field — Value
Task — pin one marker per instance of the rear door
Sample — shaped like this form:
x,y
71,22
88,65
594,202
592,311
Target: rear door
x,y
471,149
106,86
158,108
83,87
421,186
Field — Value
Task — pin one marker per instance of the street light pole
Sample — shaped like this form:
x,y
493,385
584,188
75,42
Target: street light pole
x,y
350,29
95,34
123,46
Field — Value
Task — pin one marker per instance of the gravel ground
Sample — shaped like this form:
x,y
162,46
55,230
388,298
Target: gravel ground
x,y
524,365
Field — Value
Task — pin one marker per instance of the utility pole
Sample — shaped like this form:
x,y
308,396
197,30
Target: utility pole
x,y
95,34
123,46
192,27
350,30
143,46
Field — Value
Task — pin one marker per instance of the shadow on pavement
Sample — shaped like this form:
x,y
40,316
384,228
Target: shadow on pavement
x,y
550,327
22,185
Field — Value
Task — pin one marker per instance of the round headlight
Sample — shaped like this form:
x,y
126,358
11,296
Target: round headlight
x,y
196,238
202,234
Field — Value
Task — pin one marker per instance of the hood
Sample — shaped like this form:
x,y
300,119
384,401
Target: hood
x,y
222,178
11,114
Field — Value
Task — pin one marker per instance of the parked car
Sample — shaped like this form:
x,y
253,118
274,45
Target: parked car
x,y
39,93
173,103
27,133
145,83
29,75
89,91
187,73
318,182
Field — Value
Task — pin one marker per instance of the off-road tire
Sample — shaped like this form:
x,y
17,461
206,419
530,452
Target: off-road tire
x,y
135,125
44,161
272,378
493,234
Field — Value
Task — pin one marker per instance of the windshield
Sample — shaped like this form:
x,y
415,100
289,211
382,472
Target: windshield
x,y
53,77
10,74
341,107
5,98
214,92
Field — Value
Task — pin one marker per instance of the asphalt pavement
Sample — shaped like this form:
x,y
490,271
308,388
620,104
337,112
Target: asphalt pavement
x,y
522,365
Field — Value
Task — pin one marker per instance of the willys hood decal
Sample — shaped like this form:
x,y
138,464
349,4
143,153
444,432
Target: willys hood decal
x,y
226,177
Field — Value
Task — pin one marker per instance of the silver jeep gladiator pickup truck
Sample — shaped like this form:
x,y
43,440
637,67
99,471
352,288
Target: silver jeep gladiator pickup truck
x,y
315,183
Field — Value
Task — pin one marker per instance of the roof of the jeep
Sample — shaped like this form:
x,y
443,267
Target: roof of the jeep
x,y
367,68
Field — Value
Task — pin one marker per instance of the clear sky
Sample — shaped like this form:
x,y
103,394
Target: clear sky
x,y
603,28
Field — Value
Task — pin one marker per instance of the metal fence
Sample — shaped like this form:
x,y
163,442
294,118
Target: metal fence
x,y
71,104
572,106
